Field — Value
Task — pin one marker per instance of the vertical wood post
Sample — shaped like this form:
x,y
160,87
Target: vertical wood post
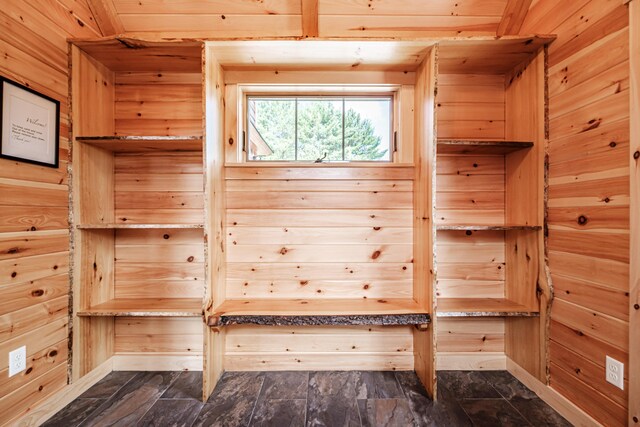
x,y
634,215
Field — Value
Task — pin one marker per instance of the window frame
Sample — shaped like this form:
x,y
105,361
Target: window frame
x,y
340,92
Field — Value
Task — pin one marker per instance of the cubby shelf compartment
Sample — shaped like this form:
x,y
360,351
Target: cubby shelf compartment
x,y
456,227
136,144
482,307
298,312
149,307
459,146
119,226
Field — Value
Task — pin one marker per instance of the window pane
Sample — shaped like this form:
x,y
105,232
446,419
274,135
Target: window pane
x,y
271,128
319,129
367,132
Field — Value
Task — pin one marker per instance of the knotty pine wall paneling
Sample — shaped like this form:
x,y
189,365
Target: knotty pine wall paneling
x,y
34,235
470,263
158,188
319,233
588,217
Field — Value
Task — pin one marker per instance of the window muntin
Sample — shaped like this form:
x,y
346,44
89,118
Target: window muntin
x,y
327,128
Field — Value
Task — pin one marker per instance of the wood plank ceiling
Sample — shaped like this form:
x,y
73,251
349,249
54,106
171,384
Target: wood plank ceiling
x,y
310,18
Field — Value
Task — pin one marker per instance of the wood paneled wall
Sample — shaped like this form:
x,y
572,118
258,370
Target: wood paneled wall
x,y
470,189
319,232
158,188
336,18
162,103
588,198
34,235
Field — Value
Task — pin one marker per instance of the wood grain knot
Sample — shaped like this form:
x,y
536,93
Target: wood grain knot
x,y
612,144
53,353
29,370
376,228
582,220
14,274
283,251
635,420
636,155
636,306
375,255
190,259
230,141
165,236
468,232
37,293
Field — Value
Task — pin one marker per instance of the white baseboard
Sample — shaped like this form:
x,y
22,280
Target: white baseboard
x,y
156,362
53,404
472,361
564,406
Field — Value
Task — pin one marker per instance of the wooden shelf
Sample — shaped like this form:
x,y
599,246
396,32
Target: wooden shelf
x,y
150,307
481,307
458,146
135,226
299,312
443,227
136,144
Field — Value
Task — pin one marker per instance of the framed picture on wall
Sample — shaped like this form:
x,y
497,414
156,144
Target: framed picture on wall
x,y
30,125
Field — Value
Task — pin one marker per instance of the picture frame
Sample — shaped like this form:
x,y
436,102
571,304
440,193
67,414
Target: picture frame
x,y
29,125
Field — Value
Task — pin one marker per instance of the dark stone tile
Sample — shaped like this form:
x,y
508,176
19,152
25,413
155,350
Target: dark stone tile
x,y
107,386
378,385
187,386
74,413
129,404
279,413
385,412
492,412
285,385
539,413
468,385
333,383
446,412
333,410
233,400
171,413
507,385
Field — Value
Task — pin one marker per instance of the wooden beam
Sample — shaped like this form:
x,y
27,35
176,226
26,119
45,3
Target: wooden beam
x,y
514,14
634,215
309,18
106,16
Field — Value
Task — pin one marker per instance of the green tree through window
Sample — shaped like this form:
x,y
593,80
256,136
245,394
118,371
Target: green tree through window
x,y
307,129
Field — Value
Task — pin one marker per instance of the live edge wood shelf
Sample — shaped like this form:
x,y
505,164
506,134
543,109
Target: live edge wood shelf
x,y
458,146
147,307
141,144
481,307
119,226
299,312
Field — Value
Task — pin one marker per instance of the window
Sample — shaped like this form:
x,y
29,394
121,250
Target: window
x,y
313,128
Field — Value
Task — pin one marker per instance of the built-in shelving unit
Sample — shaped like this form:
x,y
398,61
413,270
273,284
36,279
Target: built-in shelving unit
x,y
138,204
165,212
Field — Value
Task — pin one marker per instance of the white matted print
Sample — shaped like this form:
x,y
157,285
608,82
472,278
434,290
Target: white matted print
x,y
30,125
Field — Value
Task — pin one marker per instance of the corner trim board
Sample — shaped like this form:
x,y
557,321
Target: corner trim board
x,y
564,406
50,406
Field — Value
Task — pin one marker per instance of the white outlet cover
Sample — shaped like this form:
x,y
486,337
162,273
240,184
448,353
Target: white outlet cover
x,y
615,372
17,360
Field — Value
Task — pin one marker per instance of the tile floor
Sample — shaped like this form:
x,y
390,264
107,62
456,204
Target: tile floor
x,y
466,398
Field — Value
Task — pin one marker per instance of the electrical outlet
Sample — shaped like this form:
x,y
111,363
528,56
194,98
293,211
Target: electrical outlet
x,y
615,372
17,360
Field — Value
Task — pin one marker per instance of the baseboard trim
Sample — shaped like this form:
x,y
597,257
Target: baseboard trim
x,y
53,404
156,362
564,406
471,361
